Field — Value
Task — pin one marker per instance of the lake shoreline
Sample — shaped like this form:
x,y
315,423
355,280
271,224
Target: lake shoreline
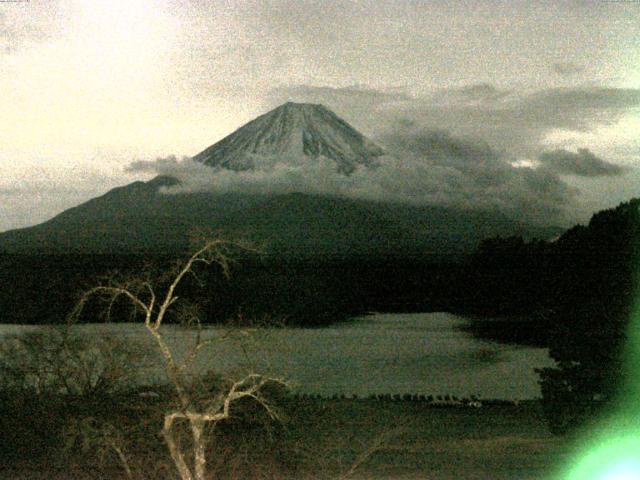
x,y
378,354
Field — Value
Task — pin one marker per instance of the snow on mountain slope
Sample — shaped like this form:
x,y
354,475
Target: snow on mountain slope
x,y
293,133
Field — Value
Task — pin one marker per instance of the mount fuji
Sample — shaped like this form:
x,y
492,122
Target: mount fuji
x,y
293,131
142,218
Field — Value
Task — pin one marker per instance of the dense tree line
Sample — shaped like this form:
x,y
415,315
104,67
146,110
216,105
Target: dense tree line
x,y
578,293
41,289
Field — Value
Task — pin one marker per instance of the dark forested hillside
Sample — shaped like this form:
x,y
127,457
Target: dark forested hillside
x,y
587,269
139,219
43,289
576,293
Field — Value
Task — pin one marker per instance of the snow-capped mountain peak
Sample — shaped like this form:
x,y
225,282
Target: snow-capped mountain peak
x,y
293,132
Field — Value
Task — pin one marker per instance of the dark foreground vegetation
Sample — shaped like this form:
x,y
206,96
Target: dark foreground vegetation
x,y
68,411
308,292
88,438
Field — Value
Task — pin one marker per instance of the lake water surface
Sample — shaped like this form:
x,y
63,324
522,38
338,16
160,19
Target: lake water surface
x,y
423,353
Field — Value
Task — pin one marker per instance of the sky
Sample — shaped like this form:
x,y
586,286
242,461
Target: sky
x,y
522,106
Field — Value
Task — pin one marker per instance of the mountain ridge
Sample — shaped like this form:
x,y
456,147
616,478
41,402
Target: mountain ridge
x,y
138,219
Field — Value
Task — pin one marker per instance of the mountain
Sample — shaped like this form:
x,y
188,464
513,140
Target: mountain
x,y
292,132
140,218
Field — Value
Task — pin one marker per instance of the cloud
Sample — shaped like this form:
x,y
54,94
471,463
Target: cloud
x,y
354,103
520,121
392,181
470,94
512,120
425,168
567,69
584,99
476,175
478,146
30,23
583,163
352,94
440,147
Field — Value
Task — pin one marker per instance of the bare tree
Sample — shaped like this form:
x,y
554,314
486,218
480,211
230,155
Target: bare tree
x,y
154,300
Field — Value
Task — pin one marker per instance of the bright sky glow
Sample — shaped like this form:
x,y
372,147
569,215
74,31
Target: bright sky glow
x,y
89,86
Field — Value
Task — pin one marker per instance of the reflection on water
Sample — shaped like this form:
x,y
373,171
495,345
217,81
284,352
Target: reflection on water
x,y
382,353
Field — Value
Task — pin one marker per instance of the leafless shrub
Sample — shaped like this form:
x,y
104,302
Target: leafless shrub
x,y
54,361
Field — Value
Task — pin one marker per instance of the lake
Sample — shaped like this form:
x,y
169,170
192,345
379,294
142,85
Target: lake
x,y
423,353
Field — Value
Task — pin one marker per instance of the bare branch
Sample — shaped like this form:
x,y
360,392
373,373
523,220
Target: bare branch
x,y
198,256
112,293
378,443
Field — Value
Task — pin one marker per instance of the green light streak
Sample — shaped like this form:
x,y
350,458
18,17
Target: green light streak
x,y
611,457
611,451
